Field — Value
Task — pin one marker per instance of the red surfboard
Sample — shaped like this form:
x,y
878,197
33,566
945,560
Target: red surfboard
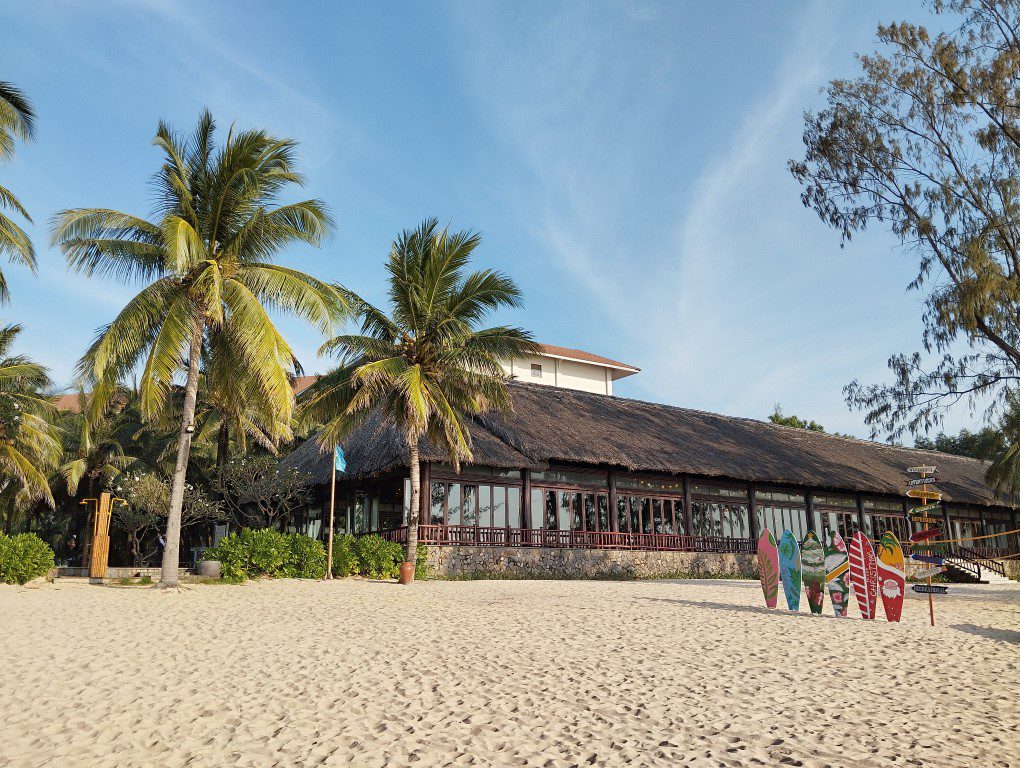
x,y
863,574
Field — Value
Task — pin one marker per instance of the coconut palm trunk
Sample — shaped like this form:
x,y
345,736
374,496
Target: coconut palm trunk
x,y
172,550
414,460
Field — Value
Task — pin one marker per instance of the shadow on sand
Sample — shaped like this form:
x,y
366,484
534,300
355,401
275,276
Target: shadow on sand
x,y
1002,635
760,610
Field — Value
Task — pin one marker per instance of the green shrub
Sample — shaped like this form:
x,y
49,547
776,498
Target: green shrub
x,y
24,557
345,562
421,566
307,557
377,557
268,553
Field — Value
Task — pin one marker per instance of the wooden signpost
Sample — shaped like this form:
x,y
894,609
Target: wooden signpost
x,y
929,572
920,488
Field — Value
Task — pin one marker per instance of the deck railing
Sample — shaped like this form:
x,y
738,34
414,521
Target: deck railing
x,y
540,537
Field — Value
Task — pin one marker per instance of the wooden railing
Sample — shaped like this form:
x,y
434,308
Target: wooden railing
x,y
540,537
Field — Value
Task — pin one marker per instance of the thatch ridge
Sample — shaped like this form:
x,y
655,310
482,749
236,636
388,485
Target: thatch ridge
x,y
565,426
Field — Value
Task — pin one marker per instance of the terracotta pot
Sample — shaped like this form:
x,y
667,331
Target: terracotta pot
x,y
406,573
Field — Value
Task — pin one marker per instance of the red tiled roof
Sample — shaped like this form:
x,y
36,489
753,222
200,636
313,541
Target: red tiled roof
x,y
69,402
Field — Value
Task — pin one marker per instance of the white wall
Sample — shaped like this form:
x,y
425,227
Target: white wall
x,y
563,373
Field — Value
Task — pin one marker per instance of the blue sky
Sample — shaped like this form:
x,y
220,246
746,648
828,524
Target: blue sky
x,y
625,162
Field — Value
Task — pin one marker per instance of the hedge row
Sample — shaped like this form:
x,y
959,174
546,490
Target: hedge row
x,y
24,557
268,553
372,556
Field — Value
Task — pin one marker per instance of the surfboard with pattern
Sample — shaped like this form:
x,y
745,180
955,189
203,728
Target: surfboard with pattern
x,y
768,567
812,567
863,574
837,573
789,569
892,581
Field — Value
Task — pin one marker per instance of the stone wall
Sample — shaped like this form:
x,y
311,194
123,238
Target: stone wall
x,y
1012,568
542,563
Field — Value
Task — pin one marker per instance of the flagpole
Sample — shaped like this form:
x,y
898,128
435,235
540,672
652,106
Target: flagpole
x,y
332,501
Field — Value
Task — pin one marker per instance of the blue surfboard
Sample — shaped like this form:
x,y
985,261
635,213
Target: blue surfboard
x,y
789,569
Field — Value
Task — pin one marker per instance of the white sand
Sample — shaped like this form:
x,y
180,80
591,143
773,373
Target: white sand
x,y
500,673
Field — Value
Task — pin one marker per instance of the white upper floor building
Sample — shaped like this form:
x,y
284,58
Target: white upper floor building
x,y
570,369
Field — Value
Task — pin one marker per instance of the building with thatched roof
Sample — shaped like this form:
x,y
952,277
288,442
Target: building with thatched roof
x,y
575,466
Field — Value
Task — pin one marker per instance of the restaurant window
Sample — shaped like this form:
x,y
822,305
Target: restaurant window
x,y
719,511
536,371
513,507
641,483
579,479
485,506
437,506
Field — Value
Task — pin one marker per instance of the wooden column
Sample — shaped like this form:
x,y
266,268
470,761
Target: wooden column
x,y
809,504
525,499
614,523
688,514
425,494
860,513
752,512
981,520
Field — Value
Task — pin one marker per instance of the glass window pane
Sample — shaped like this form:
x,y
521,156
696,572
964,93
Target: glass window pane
x,y
453,504
513,508
635,514
499,507
485,506
604,513
470,513
537,508
590,520
565,511
438,497
407,500
550,510
622,517
657,515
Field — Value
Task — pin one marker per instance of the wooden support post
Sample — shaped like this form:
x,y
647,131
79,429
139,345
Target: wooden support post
x,y
688,512
818,526
860,515
614,519
425,494
752,512
949,528
525,499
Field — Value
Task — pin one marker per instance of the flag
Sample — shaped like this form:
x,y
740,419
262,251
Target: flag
x,y
339,461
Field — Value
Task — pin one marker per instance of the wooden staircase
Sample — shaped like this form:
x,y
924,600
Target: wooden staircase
x,y
968,563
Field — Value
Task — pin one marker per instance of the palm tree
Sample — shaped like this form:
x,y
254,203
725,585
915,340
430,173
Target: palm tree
x,y
208,253
425,367
29,443
17,121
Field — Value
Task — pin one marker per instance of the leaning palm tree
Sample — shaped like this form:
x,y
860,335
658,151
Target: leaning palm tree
x,y
207,256
426,367
17,121
29,442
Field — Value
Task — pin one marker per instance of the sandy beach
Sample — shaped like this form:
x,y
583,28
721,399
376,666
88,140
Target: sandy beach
x,y
516,673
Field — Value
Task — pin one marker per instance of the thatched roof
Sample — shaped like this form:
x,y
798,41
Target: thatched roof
x,y
568,426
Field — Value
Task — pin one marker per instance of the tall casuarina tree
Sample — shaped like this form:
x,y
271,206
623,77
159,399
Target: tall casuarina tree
x,y
17,121
426,366
206,257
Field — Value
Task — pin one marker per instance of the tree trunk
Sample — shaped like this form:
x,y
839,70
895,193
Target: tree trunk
x,y
171,551
412,522
223,444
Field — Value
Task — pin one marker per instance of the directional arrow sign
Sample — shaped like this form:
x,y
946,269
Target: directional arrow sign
x,y
933,559
931,533
929,520
927,573
922,470
921,493
930,589
926,508
921,481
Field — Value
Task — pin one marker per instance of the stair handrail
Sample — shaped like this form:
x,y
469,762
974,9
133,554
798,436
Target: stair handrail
x,y
969,554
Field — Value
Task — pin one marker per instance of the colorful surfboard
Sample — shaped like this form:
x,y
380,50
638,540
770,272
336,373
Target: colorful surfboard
x,y
789,569
768,567
891,576
863,574
812,566
837,573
